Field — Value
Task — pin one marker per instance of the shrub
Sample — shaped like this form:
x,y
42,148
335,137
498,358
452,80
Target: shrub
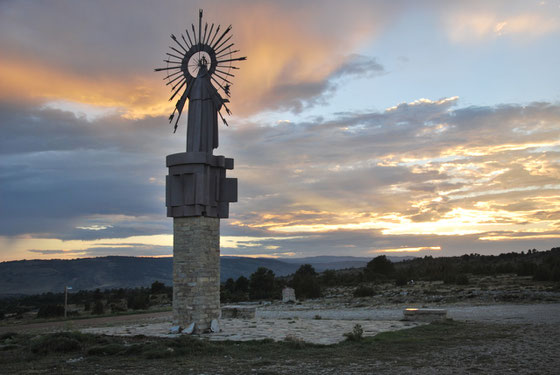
x,y
50,311
98,308
305,282
363,291
60,342
357,333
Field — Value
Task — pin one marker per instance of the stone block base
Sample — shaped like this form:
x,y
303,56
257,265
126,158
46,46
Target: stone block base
x,y
196,272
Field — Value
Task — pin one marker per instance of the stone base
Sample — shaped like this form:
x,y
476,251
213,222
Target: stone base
x,y
196,272
424,315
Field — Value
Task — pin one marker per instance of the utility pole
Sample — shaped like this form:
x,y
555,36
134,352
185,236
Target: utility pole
x,y
66,301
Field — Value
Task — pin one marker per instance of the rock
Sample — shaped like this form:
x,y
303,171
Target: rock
x,y
189,330
214,326
175,330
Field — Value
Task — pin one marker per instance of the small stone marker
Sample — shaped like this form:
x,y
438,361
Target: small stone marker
x,y
288,295
214,326
424,315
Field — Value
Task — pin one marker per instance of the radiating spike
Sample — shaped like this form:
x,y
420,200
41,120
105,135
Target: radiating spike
x,y
172,55
184,40
199,26
221,37
172,74
173,80
222,78
209,34
178,83
168,68
179,52
224,42
226,73
214,37
172,62
188,36
234,59
233,67
194,34
224,49
227,109
175,93
205,30
219,84
176,41
226,53
223,119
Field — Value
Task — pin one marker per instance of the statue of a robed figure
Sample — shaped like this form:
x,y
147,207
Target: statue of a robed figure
x,y
197,190
204,104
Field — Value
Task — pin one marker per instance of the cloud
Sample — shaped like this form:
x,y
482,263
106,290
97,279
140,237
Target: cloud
x,y
89,54
481,21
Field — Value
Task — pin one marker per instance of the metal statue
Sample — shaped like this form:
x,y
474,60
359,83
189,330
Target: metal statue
x,y
204,58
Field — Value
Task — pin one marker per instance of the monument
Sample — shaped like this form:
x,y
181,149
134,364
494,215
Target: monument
x,y
198,192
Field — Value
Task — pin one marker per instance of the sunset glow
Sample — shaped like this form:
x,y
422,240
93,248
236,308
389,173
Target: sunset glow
x,y
358,129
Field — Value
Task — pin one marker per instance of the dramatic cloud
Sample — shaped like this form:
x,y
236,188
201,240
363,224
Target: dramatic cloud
x,y
323,166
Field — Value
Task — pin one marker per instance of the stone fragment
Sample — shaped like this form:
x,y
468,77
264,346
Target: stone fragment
x,y
214,326
189,330
175,330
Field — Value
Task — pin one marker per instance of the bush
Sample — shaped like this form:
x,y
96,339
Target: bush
x,y
357,333
378,268
50,311
305,282
262,284
363,291
98,308
61,342
109,349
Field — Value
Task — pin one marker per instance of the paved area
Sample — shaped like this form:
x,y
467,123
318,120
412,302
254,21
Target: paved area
x,y
327,326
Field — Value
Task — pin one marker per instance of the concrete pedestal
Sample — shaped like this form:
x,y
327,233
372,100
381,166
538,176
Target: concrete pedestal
x,y
196,271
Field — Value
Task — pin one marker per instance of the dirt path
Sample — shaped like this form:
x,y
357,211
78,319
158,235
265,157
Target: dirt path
x,y
86,323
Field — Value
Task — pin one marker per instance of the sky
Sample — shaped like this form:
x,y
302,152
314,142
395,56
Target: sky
x,y
359,128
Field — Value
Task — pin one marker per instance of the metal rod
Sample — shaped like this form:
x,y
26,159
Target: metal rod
x,y
214,37
236,59
179,52
188,36
219,84
223,119
225,48
175,56
227,74
176,41
194,34
227,53
184,40
222,78
224,42
168,68
209,34
221,37
205,30
178,83
175,93
173,80
199,26
171,75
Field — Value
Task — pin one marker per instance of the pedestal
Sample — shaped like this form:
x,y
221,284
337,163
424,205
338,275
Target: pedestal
x,y
196,271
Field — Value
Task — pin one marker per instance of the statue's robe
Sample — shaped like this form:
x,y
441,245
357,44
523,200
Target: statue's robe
x,y
204,104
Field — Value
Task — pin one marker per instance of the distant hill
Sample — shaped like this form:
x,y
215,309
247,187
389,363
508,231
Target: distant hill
x,y
41,276
325,262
